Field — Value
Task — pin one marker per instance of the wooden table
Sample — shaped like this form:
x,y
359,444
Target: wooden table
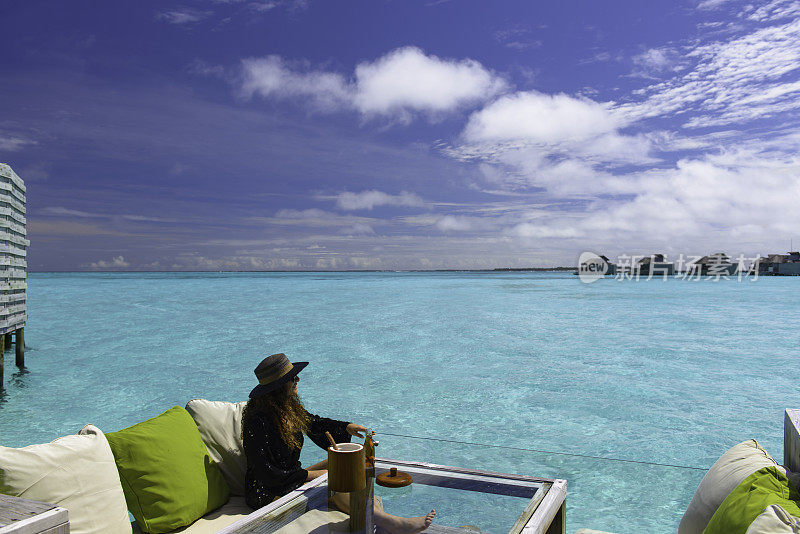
x,y
23,516
541,509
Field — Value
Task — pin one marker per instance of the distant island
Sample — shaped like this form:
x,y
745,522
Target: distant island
x,y
536,269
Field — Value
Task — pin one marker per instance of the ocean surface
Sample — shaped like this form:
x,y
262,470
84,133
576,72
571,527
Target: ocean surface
x,y
592,383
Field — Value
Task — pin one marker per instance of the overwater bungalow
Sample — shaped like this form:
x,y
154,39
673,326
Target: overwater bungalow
x,y
612,268
778,264
718,263
654,265
598,264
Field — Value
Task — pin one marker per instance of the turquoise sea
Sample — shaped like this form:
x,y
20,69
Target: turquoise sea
x,y
659,372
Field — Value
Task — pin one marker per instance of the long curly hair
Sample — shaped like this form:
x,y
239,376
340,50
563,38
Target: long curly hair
x,y
284,407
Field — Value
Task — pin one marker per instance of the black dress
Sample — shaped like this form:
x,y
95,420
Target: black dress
x,y
273,469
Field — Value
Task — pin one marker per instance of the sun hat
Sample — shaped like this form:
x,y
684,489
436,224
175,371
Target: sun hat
x,y
273,372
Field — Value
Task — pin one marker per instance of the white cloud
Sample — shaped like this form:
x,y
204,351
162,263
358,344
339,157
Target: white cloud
x,y
66,212
312,213
451,222
736,201
115,264
407,80
366,200
540,118
13,143
360,262
271,77
657,61
398,85
262,7
744,78
144,218
182,16
711,4
317,218
558,142
529,230
359,229
715,196
59,211
517,38
776,10
329,263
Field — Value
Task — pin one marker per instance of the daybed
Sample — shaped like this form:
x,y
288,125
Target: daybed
x,y
747,492
182,471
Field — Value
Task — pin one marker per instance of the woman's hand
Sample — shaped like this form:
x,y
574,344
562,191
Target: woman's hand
x,y
355,430
319,465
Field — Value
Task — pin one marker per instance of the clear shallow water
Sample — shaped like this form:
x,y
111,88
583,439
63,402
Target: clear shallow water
x,y
673,372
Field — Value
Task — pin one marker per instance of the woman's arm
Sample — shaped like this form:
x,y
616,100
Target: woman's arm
x,y
317,426
319,465
317,470
314,473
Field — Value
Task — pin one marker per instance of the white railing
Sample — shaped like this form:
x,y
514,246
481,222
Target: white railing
x,y
12,225
13,249
13,214
12,310
13,261
11,272
14,321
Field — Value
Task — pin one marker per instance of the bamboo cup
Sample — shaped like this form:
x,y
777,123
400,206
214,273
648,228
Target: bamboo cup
x,y
346,468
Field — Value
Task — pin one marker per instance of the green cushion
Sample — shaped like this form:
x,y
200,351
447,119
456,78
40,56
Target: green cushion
x,y
749,499
167,476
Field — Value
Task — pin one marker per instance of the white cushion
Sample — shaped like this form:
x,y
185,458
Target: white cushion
x,y
311,521
774,520
729,471
220,425
236,509
75,472
215,521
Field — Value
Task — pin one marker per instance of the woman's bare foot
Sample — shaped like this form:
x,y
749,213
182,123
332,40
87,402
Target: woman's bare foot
x,y
405,525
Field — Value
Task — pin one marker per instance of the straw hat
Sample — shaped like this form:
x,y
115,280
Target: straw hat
x,y
273,372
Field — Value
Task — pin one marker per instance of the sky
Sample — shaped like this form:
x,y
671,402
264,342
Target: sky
x,y
435,134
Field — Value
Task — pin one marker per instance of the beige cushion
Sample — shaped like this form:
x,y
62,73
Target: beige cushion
x,y
220,425
774,520
237,509
76,472
334,520
215,521
729,471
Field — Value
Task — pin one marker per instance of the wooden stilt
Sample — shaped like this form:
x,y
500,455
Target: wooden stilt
x,y
2,359
19,345
8,339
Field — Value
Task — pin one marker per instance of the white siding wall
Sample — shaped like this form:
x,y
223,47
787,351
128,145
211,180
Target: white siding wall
x,y
13,249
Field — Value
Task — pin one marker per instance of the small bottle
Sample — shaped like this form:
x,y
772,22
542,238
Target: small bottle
x,y
369,449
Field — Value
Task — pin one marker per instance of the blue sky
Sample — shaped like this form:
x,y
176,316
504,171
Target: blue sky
x,y
283,135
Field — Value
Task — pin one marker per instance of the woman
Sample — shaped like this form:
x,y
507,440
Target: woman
x,y
273,423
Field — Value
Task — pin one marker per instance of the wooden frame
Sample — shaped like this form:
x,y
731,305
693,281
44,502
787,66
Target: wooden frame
x,y
545,513
791,439
24,516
